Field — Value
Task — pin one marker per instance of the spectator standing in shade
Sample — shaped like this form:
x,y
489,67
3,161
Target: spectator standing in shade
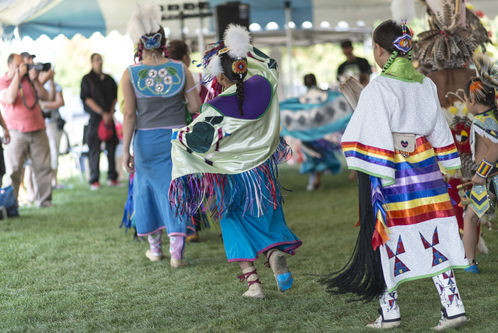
x,y
53,120
99,96
354,66
20,91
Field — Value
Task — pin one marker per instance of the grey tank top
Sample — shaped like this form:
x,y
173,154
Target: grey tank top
x,y
159,95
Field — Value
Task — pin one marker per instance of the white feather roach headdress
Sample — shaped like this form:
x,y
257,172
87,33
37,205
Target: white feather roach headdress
x,y
145,20
237,40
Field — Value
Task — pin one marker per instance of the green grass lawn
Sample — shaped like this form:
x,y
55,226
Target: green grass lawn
x,y
71,269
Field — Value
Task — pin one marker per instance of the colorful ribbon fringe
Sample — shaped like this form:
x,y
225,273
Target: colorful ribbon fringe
x,y
255,190
381,231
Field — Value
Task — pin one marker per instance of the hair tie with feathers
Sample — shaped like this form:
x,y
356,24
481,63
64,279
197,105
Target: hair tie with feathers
x,y
481,89
487,72
476,88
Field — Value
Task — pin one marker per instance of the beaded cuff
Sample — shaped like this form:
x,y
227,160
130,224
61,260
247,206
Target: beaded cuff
x,y
484,169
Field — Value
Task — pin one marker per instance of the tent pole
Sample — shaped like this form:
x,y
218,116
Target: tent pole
x,y
200,39
288,35
182,25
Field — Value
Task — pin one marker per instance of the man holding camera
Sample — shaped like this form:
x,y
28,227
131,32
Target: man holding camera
x,y
20,92
99,96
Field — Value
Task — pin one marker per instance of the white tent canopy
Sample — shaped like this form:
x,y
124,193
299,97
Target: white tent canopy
x,y
52,17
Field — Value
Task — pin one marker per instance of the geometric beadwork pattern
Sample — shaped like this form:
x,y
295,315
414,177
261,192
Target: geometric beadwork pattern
x,y
399,266
479,201
437,257
392,300
453,295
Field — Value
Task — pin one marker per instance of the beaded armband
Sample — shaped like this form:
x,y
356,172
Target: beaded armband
x,y
484,169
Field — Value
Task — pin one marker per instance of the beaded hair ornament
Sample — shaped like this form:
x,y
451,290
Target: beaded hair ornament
x,y
402,44
239,64
151,42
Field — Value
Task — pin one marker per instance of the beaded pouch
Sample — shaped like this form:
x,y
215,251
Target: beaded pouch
x,y
404,142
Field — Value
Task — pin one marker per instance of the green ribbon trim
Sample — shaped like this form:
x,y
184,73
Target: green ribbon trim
x,y
454,267
402,69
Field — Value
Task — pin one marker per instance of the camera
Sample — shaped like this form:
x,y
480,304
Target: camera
x,y
40,67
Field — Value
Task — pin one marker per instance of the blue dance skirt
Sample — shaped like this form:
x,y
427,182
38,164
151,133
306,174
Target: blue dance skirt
x,y
151,184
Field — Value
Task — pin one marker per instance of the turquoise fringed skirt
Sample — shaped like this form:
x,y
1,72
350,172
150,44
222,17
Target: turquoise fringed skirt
x,y
245,234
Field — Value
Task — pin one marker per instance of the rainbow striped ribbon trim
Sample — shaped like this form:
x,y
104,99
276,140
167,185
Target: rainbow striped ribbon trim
x,y
379,156
446,153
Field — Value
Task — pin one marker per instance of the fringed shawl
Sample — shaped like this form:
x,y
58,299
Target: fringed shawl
x,y
215,158
216,193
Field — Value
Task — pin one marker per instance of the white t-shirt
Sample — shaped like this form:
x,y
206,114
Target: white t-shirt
x,y
54,114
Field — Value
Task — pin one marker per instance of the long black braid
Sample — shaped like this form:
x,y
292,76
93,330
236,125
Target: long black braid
x,y
240,95
239,64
